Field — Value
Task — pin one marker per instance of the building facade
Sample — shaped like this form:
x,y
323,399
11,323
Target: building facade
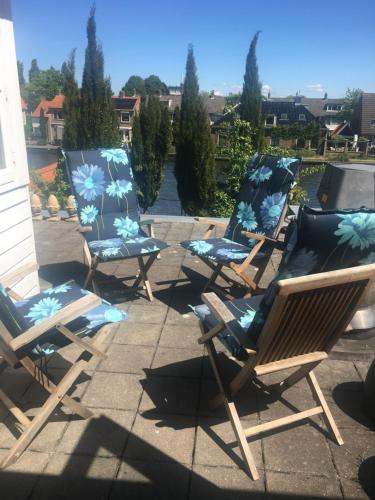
x,y
363,122
16,230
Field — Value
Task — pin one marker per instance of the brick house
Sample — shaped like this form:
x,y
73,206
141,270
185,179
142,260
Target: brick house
x,y
363,121
53,112
126,108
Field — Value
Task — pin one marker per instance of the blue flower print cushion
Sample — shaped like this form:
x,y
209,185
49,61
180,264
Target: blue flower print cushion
x,y
262,197
330,239
105,192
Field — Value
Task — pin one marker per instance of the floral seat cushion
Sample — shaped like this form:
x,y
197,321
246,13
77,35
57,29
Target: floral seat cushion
x,y
244,311
219,250
43,305
106,195
259,208
121,248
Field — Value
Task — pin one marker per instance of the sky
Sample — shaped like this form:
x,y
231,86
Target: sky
x,y
311,47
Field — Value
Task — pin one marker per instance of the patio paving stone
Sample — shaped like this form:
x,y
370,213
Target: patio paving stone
x,y
137,334
170,395
177,362
224,483
141,480
116,390
102,435
302,486
70,476
123,358
182,336
162,438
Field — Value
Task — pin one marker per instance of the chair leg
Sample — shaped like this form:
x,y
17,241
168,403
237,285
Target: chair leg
x,y
143,269
43,414
327,415
213,277
233,415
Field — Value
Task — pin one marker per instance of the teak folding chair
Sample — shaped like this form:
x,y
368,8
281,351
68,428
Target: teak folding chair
x,y
33,328
307,317
254,227
103,184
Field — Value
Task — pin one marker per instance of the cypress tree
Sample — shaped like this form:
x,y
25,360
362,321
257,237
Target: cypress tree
x,y
98,121
251,98
43,125
34,70
176,125
71,106
194,168
150,143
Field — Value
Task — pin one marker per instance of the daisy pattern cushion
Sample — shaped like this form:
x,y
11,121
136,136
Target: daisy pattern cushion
x,y
106,196
218,249
245,313
43,305
262,197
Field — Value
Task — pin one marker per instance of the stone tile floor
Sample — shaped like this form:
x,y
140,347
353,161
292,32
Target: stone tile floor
x,y
153,434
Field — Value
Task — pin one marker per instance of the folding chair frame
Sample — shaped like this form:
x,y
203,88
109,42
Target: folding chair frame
x,y
240,270
11,356
298,333
141,280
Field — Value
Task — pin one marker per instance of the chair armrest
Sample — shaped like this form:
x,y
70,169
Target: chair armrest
x,y
84,229
206,220
149,221
63,316
218,308
258,237
18,274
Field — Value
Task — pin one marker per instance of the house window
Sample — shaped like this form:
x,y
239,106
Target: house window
x,y
302,117
284,116
125,117
270,120
372,122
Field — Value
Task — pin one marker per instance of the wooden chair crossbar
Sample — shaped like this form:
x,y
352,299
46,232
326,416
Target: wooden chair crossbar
x,y
308,316
12,354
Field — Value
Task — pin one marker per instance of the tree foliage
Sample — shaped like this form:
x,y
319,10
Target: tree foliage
x,y
135,86
194,168
150,143
98,120
43,84
42,125
21,78
154,86
352,97
296,131
251,98
71,106
34,70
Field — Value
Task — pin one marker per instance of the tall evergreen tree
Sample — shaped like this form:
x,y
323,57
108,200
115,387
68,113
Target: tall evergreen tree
x,y
21,77
71,106
251,98
194,168
176,125
98,121
34,70
150,144
43,125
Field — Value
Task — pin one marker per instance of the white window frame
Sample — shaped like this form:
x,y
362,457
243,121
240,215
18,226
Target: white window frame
x,y
284,116
125,113
302,117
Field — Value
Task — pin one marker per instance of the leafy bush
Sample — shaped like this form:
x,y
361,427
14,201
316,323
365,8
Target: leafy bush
x,y
299,194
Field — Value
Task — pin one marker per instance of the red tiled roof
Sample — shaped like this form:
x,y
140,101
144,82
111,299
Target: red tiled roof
x,y
55,103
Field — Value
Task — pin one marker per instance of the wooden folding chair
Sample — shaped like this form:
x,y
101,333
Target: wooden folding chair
x,y
308,316
253,229
105,192
23,346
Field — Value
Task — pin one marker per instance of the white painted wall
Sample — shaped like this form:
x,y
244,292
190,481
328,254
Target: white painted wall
x,y
16,231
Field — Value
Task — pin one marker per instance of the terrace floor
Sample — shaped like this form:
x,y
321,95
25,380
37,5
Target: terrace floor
x,y
153,435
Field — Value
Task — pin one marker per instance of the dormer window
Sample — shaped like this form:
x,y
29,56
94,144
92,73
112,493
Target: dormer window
x,y
302,117
125,117
284,116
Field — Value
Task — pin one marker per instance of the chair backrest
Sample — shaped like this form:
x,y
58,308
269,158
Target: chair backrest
x,y
12,320
103,185
310,313
262,200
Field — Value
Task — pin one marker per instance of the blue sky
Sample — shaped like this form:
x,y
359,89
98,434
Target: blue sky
x,y
307,46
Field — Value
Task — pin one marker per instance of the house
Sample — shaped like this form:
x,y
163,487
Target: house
x,y
214,104
175,90
24,110
363,121
17,237
285,113
325,110
126,108
53,113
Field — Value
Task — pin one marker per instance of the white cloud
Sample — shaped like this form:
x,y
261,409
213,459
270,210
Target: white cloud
x,y
265,89
315,87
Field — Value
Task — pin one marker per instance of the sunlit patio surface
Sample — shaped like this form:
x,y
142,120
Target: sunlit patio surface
x,y
153,434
